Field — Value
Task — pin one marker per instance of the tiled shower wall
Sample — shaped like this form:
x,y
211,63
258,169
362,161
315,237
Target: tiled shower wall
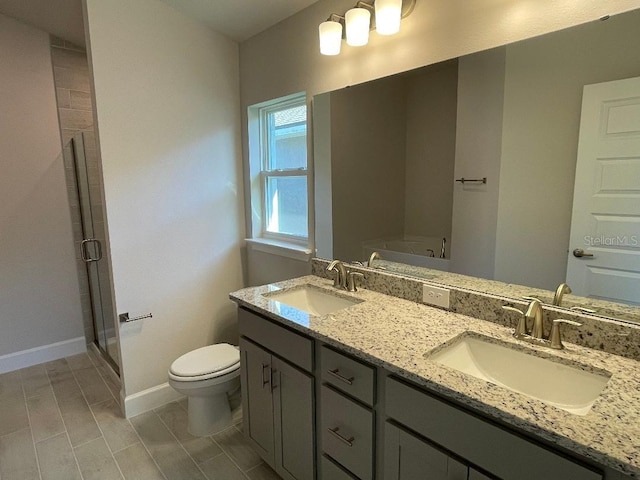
x,y
75,112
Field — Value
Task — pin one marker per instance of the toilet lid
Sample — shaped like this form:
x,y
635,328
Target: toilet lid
x,y
206,360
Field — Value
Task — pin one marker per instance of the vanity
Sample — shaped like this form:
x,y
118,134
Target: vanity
x,y
355,391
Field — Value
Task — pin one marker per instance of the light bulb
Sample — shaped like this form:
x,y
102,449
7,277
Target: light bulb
x,y
358,21
330,37
388,14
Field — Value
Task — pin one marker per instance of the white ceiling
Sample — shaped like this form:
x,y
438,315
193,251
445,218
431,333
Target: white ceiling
x,y
237,19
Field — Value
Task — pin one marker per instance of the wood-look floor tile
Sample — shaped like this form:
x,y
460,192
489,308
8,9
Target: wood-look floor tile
x,y
78,419
35,381
234,445
175,418
262,472
116,429
10,384
18,457
79,362
64,384
56,459
96,462
13,413
221,468
45,417
136,464
165,449
92,385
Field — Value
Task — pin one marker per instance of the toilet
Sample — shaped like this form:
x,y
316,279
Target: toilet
x,y
206,376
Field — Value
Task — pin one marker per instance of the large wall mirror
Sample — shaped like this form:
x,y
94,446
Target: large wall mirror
x,y
553,125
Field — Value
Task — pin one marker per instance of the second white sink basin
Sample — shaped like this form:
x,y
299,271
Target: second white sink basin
x,y
567,387
312,299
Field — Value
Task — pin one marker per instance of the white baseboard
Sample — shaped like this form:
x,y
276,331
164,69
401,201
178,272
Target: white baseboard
x,y
149,399
45,353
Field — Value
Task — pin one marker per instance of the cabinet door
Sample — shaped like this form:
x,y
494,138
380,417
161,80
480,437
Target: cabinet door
x,y
476,475
293,411
257,402
408,457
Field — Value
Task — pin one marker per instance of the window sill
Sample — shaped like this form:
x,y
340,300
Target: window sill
x,y
282,249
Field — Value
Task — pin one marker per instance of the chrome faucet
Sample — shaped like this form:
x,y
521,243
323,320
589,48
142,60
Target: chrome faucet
x,y
443,248
373,256
534,313
344,279
560,291
536,335
340,280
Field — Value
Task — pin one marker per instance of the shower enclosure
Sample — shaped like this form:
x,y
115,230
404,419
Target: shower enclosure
x,y
83,156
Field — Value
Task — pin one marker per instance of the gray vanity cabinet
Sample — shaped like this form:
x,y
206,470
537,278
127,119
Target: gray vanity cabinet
x,y
277,400
506,455
408,457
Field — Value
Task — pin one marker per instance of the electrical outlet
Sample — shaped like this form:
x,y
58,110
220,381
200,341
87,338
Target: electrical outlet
x,y
436,296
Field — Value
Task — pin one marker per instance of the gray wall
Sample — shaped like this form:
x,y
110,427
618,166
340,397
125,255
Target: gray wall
x,y
430,151
39,293
544,77
367,165
478,151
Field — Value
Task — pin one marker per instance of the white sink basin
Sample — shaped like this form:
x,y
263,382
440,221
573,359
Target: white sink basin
x,y
312,299
567,387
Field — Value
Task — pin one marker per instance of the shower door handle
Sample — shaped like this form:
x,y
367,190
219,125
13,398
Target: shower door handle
x,y
85,254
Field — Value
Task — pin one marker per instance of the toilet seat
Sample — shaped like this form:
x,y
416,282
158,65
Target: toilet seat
x,y
205,363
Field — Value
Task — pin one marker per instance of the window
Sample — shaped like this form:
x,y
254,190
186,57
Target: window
x,y
278,158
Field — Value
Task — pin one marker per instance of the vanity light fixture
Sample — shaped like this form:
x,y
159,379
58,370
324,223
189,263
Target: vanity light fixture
x,y
382,15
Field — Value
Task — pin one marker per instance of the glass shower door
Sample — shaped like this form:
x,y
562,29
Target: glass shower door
x,y
91,247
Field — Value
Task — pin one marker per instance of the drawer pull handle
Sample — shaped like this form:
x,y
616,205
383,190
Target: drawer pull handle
x,y
346,441
348,381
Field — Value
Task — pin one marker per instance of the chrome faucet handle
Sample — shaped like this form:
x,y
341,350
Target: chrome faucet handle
x,y
351,280
521,328
556,335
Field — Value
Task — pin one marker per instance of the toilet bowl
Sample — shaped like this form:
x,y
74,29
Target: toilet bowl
x,y
206,376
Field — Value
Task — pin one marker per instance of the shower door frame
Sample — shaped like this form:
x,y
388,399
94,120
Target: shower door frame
x,y
91,253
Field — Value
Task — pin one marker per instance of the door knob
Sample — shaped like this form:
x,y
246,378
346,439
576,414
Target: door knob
x,y
579,253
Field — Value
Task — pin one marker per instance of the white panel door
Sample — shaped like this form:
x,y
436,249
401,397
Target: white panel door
x,y
605,223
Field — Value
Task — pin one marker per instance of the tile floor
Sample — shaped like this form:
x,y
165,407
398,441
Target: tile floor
x,y
61,421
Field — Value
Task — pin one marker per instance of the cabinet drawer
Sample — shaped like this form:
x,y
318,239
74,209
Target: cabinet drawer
x,y
504,454
280,340
348,375
330,471
347,433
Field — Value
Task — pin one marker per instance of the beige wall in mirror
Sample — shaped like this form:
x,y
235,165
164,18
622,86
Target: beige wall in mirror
x,y
511,114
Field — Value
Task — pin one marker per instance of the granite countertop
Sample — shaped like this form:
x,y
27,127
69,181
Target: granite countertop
x,y
396,334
